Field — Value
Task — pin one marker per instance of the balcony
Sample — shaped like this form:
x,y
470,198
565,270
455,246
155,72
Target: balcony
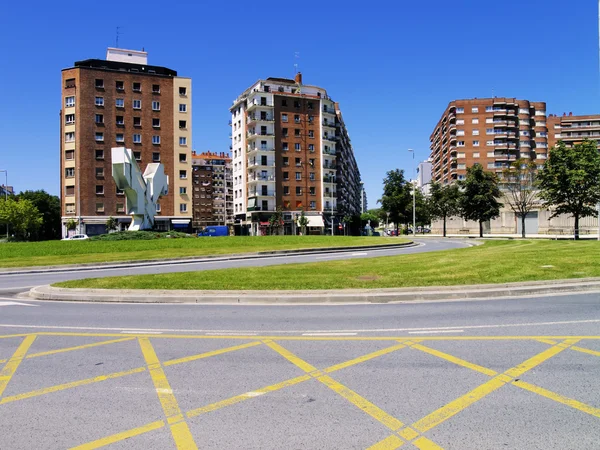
x,y
327,179
330,138
256,150
330,125
252,106
261,194
329,166
253,118
261,164
328,111
252,136
261,179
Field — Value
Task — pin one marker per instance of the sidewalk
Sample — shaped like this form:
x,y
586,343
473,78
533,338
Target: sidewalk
x,y
485,291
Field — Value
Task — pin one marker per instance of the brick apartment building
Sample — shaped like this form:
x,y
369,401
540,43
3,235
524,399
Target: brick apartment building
x,y
211,189
123,102
291,150
490,131
573,129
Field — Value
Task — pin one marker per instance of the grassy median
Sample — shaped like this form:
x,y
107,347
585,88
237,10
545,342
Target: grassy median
x,y
492,262
25,254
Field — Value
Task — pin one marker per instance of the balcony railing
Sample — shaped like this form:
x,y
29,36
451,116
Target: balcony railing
x,y
328,111
254,118
251,135
261,164
261,178
261,194
254,105
327,124
260,149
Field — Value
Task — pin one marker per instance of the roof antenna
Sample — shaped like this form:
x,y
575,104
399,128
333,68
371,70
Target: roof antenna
x,y
297,57
118,34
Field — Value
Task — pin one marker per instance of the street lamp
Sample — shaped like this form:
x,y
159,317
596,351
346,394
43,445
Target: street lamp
x,y
6,194
332,206
414,189
387,220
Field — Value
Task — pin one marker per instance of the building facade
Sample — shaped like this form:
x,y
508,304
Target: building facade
x,y
123,102
290,150
573,129
424,176
211,189
493,132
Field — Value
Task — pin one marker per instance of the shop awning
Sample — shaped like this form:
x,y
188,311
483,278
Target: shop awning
x,y
315,221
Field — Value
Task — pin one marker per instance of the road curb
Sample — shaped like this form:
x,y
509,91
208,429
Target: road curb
x,y
488,291
213,258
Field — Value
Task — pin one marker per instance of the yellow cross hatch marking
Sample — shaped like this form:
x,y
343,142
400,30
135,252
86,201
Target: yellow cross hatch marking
x,y
179,428
79,347
112,439
14,361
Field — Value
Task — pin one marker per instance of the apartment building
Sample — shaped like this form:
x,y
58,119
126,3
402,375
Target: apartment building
x,y
363,199
211,189
6,191
573,129
123,102
492,132
424,176
291,151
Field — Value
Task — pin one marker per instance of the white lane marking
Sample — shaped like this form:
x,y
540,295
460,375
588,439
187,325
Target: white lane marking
x,y
360,254
14,304
330,256
141,332
436,331
266,332
329,334
231,333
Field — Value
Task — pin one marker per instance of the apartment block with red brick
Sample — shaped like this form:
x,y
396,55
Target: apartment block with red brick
x,y
493,132
123,102
291,150
573,129
211,189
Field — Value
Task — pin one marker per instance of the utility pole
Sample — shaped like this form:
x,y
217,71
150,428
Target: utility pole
x,y
414,187
6,194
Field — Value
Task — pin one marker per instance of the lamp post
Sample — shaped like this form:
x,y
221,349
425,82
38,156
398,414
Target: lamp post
x,y
332,206
414,189
387,220
6,194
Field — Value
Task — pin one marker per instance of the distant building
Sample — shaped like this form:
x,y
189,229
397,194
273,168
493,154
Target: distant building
x,y
363,199
123,102
6,190
573,129
424,176
212,193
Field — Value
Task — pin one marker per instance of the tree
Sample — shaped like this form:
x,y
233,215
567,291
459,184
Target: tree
x,y
480,196
49,206
519,181
444,202
570,181
303,222
276,221
347,220
71,224
397,197
22,216
111,224
369,217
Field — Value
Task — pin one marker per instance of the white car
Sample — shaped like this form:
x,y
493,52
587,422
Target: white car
x,y
76,237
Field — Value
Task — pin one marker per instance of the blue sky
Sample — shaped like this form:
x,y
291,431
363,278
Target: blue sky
x,y
392,65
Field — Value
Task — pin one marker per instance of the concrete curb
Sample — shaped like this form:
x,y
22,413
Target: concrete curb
x,y
486,291
211,258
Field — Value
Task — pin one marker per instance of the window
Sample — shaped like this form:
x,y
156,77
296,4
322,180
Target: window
x,y
475,144
311,147
69,101
99,207
69,190
284,132
476,154
460,110
182,107
137,104
311,176
120,103
182,157
285,146
313,204
298,162
120,85
286,176
460,122
283,102
69,83
155,122
298,190
99,189
137,87
312,190
182,91
99,83
158,207
70,137
474,109
296,104
156,88
120,137
296,118
69,172
182,124
182,190
460,132
460,144
489,131
311,134
298,175
99,154
311,161
155,106
183,207
475,121
475,132
297,132
297,146
137,156
183,174
120,207
100,137
155,157
489,108
69,155
69,119
284,117
99,101
182,140
119,191
137,121
156,140
137,138
310,105
310,119
286,190
286,161
99,118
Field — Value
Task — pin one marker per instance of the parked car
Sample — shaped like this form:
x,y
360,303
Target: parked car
x,y
76,237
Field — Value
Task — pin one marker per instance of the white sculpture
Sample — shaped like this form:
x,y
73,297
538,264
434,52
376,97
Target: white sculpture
x,y
142,190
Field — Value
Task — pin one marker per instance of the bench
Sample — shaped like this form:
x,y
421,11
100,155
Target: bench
x,y
464,231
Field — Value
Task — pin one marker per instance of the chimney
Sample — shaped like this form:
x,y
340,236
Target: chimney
x,y
298,78
570,114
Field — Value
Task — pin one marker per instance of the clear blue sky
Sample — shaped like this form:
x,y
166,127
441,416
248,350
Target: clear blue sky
x,y
392,65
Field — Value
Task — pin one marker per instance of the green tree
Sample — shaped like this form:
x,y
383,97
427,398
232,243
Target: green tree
x,y
519,183
479,201
347,221
397,197
276,221
71,224
369,217
422,212
444,202
49,206
302,222
570,180
111,224
22,216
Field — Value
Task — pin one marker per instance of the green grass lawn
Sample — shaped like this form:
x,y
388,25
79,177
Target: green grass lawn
x,y
492,262
24,254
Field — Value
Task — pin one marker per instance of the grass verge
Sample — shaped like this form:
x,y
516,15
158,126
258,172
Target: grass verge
x,y
26,254
493,262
